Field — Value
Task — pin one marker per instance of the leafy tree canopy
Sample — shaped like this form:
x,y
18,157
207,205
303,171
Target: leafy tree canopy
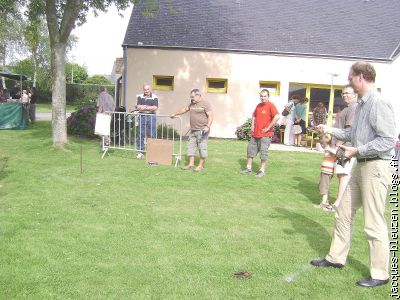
x,y
98,79
75,73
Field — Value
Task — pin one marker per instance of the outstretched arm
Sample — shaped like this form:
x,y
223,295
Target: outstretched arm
x,y
179,112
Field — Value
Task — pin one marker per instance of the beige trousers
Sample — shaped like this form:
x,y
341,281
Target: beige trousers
x,y
368,189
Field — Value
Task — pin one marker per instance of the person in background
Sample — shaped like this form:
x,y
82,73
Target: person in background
x,y
15,92
300,119
372,141
288,138
265,116
105,103
327,167
146,105
201,118
25,97
344,120
319,115
32,105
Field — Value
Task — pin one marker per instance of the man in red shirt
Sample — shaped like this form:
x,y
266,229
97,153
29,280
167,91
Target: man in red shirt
x,y
264,119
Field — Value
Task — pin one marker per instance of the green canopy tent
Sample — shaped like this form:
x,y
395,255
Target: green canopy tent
x,y
13,115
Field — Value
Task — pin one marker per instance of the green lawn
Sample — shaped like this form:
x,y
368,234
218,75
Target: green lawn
x,y
124,230
46,107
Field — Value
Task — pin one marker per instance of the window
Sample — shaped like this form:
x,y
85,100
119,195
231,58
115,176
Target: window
x,y
162,82
217,85
272,86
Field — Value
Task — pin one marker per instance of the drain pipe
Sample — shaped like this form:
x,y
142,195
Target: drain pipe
x,y
125,73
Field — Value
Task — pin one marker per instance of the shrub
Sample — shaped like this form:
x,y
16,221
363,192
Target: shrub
x,y
165,131
82,121
243,131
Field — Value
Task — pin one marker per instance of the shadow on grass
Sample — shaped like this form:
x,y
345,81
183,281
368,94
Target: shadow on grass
x,y
317,236
243,163
3,167
309,189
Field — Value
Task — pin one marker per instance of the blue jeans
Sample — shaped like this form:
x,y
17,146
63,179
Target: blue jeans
x,y
147,127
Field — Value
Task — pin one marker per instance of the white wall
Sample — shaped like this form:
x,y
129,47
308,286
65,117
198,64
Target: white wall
x,y
243,71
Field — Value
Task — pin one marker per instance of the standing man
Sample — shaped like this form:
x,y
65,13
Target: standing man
x,y
16,91
264,119
105,101
372,140
201,118
147,105
32,104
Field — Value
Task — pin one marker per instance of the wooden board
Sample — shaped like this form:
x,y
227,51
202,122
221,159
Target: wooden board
x,y
159,151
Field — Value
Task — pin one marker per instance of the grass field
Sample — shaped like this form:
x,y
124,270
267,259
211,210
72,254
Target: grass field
x,y
124,230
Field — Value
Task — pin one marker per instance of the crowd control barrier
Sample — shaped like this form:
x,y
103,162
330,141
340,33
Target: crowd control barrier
x,y
129,132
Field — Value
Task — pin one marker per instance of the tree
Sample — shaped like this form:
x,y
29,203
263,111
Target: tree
x,y
36,39
10,24
62,16
75,73
98,79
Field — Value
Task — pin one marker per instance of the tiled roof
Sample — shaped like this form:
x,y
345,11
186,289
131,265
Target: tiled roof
x,y
368,29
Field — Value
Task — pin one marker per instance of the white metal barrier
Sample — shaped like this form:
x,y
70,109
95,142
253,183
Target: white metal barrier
x,y
128,131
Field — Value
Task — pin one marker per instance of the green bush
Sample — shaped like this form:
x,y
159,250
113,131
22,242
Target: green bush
x,y
82,121
243,132
76,92
164,131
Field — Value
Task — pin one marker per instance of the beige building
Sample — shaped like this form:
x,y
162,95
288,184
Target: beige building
x,y
230,60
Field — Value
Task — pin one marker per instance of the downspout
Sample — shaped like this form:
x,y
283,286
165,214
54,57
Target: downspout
x,y
125,73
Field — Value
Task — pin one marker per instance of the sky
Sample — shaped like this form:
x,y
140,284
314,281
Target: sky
x,y
99,41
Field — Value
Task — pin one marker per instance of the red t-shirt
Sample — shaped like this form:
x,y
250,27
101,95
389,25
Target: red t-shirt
x,y
263,114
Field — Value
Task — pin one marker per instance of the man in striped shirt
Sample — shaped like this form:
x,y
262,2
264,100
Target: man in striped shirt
x,y
372,140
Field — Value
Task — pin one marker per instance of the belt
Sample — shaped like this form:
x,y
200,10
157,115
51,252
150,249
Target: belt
x,y
362,160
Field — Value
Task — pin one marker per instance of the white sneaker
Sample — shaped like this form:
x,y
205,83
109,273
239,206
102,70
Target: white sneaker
x,y
140,155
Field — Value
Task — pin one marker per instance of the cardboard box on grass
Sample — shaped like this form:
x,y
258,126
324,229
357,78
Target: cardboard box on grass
x,y
159,151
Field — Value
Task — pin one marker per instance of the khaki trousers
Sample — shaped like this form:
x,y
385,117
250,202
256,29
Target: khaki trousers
x,y
368,189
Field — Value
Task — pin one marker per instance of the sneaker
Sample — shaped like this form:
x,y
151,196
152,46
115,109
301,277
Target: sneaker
x,y
140,155
260,174
245,171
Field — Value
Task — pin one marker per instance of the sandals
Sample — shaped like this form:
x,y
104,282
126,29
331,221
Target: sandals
x,y
198,169
188,167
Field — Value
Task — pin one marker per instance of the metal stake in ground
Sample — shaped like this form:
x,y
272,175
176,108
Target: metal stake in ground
x,y
81,161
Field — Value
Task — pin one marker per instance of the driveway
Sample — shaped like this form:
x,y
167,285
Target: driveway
x,y
46,116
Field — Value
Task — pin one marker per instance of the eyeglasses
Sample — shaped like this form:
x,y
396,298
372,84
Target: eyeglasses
x,y
346,93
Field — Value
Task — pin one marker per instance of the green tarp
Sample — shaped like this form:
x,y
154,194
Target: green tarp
x,y
13,116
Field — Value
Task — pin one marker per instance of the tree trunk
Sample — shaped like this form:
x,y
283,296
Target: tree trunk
x,y
3,62
59,121
34,69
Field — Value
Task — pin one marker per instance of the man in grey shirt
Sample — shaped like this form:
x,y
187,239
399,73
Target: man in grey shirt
x,y
372,140
105,101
